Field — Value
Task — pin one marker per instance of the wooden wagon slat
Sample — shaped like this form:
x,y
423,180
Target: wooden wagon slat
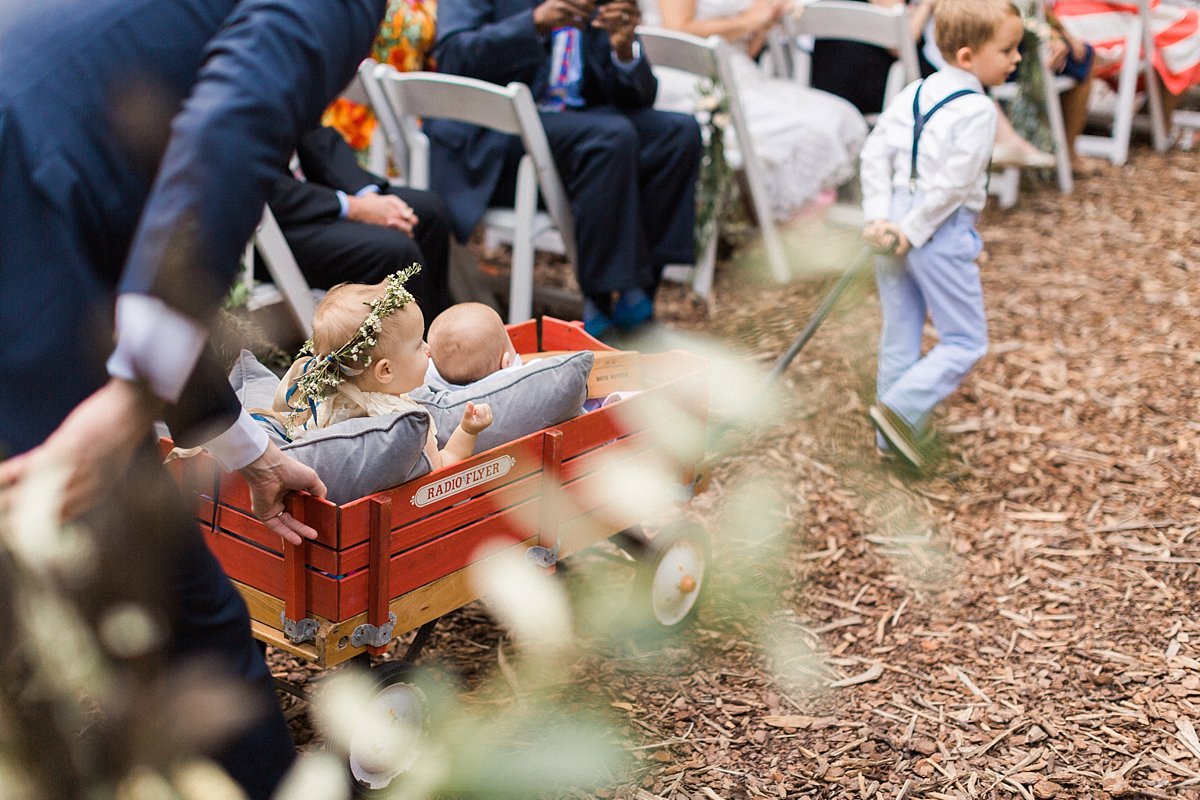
x,y
320,514
236,523
265,571
527,460
421,565
379,572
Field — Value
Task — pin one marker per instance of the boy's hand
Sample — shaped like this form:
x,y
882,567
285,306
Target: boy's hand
x,y
476,418
887,237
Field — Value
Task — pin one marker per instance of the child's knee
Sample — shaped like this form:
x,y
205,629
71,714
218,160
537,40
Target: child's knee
x,y
976,351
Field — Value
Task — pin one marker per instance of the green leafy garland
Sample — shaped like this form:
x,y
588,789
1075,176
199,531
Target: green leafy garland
x,y
1027,111
716,190
322,374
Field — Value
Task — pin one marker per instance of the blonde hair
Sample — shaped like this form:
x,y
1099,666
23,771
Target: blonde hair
x,y
343,310
968,23
467,342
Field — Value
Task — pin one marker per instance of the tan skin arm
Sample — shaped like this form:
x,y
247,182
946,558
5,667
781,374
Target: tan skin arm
x,y
752,23
461,444
619,17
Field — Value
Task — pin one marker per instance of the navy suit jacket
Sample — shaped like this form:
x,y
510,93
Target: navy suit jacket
x,y
329,165
496,41
138,141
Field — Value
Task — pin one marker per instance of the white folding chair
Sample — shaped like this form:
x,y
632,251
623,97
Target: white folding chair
x,y
709,59
886,27
288,285
388,138
411,96
1136,60
1005,185
866,23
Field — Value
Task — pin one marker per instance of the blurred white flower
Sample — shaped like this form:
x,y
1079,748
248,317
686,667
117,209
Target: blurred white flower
x,y
320,774
636,487
35,534
526,601
340,708
127,630
143,783
54,628
201,779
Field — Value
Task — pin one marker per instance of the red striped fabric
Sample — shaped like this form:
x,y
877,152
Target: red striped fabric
x,y
1176,32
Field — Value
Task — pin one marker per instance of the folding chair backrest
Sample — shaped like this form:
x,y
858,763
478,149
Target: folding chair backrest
x,y
886,27
412,96
386,123
709,58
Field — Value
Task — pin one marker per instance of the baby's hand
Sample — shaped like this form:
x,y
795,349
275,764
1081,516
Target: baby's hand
x,y
476,418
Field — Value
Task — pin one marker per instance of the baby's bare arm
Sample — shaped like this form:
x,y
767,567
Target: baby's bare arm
x,y
461,445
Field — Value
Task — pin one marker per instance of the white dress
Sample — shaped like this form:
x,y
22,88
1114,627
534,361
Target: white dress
x,y
806,139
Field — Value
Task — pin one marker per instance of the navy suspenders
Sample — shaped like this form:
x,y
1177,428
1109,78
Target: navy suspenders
x,y
919,121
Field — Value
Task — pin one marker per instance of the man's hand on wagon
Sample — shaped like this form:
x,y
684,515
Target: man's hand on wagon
x,y
270,477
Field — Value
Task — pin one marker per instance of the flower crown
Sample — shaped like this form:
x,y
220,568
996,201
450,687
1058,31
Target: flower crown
x,y
322,374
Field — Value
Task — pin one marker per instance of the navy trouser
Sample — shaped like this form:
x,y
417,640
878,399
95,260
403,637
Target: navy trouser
x,y
631,177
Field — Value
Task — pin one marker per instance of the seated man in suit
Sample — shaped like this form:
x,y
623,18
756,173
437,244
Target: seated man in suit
x,y
629,170
346,225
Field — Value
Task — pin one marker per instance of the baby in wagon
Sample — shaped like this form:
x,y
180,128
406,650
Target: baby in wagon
x,y
367,352
467,343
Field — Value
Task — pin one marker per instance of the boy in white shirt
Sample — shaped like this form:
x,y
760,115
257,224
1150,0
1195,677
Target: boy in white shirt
x,y
924,179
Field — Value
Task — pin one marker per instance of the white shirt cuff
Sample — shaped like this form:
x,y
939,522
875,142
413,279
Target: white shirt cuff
x,y
156,345
631,63
344,202
238,446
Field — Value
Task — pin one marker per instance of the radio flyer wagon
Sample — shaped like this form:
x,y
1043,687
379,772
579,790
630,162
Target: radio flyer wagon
x,y
396,561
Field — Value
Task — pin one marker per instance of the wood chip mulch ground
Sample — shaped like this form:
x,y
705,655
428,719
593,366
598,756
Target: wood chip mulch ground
x,y
1021,624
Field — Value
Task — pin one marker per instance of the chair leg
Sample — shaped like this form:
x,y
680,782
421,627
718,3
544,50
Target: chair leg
x,y
1062,149
520,298
706,267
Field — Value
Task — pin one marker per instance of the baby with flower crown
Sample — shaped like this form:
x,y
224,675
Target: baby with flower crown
x,y
366,353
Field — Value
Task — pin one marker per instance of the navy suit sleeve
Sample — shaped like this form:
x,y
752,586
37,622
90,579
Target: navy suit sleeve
x,y
624,88
326,159
266,77
329,164
296,202
472,42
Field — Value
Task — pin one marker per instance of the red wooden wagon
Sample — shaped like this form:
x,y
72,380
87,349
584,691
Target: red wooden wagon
x,y
397,560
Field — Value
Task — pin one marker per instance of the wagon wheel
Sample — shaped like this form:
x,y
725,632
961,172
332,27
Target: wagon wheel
x,y
671,575
372,767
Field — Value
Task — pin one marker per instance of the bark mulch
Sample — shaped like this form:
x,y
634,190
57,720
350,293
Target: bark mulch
x,y
1022,623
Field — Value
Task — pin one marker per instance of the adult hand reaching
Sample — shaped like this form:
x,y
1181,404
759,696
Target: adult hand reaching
x,y
620,18
270,477
383,209
553,14
95,443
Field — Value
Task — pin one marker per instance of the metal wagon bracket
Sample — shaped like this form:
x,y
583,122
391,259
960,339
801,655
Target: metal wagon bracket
x,y
543,556
298,631
374,635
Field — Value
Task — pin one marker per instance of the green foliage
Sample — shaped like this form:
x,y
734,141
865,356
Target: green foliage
x,y
716,190
1027,111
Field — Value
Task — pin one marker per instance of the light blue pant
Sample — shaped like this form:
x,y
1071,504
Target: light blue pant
x,y
940,279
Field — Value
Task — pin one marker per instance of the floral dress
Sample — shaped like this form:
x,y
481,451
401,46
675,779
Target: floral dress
x,y
404,41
